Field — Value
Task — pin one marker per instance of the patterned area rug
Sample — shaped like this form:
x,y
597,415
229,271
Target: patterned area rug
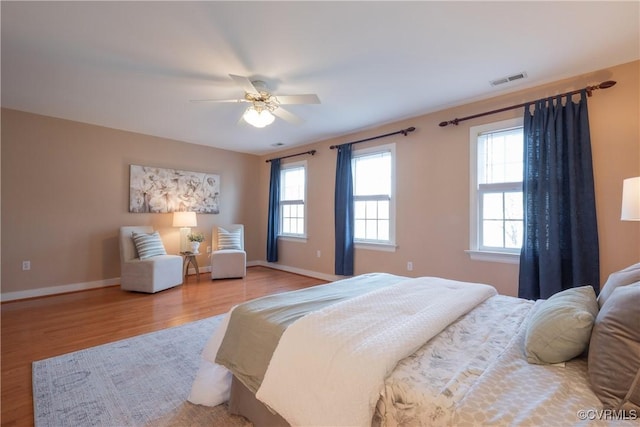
x,y
139,381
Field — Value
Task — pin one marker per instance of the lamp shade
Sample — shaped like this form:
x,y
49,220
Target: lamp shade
x,y
631,199
184,219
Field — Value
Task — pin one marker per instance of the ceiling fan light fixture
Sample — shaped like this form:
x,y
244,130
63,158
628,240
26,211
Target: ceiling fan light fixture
x,y
258,117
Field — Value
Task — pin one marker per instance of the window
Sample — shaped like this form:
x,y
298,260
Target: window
x,y
496,190
292,196
374,205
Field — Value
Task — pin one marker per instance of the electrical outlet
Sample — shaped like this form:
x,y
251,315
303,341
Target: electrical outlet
x,y
26,265
208,249
318,253
409,266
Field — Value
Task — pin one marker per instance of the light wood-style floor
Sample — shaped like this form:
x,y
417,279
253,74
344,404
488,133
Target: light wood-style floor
x,y
50,326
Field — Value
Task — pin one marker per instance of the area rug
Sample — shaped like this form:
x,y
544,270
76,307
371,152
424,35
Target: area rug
x,y
139,381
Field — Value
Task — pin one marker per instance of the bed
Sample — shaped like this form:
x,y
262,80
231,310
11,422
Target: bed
x,y
387,350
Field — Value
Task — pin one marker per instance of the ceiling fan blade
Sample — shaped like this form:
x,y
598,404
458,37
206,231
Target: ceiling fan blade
x,y
310,98
244,83
218,100
287,116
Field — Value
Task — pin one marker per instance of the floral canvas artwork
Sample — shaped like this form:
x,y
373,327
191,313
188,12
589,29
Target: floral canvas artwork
x,y
158,190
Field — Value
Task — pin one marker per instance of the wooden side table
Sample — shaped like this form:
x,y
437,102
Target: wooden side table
x,y
190,259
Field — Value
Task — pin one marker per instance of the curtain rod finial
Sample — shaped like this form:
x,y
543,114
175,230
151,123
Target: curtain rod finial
x,y
450,122
603,85
406,131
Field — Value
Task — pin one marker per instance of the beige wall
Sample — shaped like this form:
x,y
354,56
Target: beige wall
x,y
433,187
65,193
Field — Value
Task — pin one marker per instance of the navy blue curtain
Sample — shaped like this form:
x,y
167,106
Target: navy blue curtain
x,y
344,212
560,244
274,212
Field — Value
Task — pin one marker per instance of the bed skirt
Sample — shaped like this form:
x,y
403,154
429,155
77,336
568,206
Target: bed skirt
x,y
243,402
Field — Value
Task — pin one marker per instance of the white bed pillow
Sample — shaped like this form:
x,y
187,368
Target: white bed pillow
x,y
560,328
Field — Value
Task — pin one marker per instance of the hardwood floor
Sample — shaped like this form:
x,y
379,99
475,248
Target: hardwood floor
x,y
50,326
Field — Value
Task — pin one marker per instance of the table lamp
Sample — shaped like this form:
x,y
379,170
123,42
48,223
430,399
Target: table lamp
x,y
184,220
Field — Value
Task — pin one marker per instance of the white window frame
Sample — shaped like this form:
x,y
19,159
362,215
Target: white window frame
x,y
476,251
293,236
390,245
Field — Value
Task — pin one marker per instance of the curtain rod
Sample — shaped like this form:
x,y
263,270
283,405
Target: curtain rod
x,y
312,152
403,131
589,89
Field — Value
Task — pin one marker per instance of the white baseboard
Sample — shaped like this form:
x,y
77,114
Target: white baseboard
x,y
75,287
206,269
54,290
301,271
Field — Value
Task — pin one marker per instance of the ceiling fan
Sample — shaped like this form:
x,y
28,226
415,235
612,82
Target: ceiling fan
x,y
265,105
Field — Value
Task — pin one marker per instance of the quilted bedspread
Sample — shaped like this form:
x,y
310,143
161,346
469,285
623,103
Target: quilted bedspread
x,y
329,366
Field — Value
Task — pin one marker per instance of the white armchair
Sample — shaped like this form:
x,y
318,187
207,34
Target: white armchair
x,y
228,257
146,275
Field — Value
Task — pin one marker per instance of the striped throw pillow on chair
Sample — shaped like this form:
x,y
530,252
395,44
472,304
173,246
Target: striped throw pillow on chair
x,y
229,239
148,245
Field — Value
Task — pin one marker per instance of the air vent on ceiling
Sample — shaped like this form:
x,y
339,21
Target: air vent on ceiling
x,y
508,79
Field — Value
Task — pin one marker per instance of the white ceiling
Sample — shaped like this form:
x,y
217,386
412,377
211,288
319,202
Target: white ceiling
x,y
135,65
